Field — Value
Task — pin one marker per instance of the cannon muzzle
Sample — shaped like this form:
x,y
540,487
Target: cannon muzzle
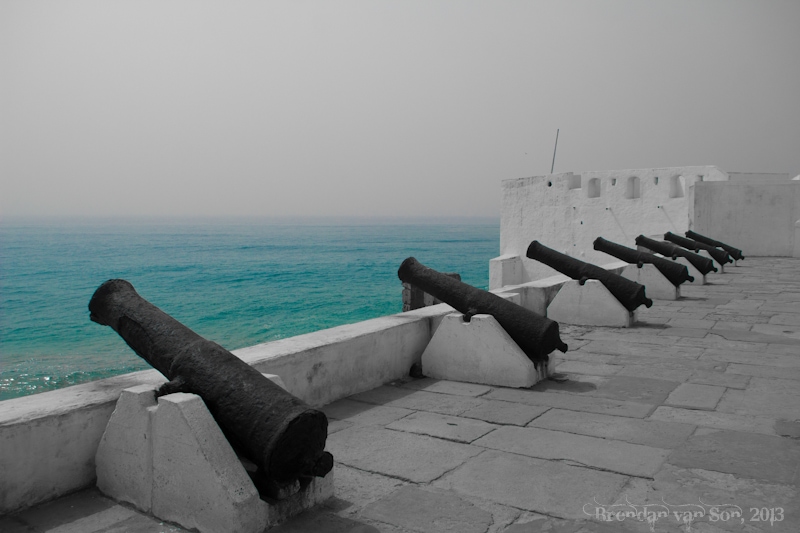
x,y
278,432
674,272
629,293
536,335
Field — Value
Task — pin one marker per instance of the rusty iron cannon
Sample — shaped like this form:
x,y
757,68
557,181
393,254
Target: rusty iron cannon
x,y
734,252
720,256
629,293
279,433
703,264
536,335
674,272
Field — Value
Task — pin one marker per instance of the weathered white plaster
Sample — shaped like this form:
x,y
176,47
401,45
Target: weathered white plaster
x,y
756,178
590,304
657,286
505,270
558,211
479,351
758,219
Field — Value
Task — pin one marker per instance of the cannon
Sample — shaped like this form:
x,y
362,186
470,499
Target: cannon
x,y
734,252
536,335
703,264
720,256
279,433
629,293
674,272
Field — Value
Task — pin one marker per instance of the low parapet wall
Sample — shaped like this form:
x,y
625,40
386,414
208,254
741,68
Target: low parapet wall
x,y
48,441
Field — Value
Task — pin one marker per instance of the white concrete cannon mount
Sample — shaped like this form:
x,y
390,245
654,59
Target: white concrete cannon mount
x,y
169,458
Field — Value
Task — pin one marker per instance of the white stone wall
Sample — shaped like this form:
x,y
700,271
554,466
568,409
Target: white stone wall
x,y
760,219
569,211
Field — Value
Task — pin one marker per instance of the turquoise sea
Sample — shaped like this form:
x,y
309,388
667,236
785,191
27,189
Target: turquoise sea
x,y
238,282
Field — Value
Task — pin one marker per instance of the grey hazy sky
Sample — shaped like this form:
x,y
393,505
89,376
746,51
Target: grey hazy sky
x,y
378,107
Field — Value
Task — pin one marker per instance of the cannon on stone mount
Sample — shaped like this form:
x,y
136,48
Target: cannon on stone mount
x,y
720,256
629,293
703,264
735,252
536,335
674,272
279,433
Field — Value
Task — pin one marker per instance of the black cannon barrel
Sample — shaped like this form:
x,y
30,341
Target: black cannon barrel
x,y
720,256
629,293
667,249
536,335
735,252
278,432
676,273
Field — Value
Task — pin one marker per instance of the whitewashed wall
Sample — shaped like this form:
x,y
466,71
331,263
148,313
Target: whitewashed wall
x,y
757,218
569,211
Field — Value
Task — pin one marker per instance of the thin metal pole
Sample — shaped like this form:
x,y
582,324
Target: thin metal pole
x,y
554,153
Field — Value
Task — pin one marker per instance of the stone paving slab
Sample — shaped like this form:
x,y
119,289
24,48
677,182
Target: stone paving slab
x,y
754,336
326,522
678,489
546,487
764,371
406,456
692,322
625,388
786,319
721,379
787,332
429,511
551,525
752,358
363,413
649,371
729,324
499,412
448,387
745,455
615,456
695,396
657,434
580,367
417,400
684,332
355,489
787,386
443,426
782,349
761,402
573,402
623,348
714,419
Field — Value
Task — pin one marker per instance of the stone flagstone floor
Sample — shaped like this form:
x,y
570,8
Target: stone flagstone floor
x,y
689,421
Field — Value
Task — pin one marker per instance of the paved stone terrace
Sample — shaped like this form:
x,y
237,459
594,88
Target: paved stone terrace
x,y
697,406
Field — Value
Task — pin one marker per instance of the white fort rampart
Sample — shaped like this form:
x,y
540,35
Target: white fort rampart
x,y
568,211
49,441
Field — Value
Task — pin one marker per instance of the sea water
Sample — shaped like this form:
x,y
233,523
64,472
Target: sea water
x,y
238,282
